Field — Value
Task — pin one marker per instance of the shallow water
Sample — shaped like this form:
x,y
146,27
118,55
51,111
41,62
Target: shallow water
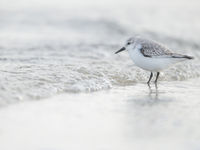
x,y
130,117
61,54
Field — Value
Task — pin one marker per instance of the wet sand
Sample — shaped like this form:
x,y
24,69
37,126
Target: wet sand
x,y
131,117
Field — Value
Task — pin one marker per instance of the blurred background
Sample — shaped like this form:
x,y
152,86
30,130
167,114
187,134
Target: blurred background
x,y
59,46
63,51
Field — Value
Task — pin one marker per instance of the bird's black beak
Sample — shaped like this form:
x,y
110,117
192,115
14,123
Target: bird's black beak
x,y
122,49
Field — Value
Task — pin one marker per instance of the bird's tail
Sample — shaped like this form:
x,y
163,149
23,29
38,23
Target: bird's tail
x,y
182,56
188,57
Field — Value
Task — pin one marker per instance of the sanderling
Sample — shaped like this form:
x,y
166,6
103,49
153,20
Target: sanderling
x,y
150,55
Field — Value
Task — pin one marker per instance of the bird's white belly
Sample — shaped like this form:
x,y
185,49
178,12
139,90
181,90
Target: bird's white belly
x,y
149,63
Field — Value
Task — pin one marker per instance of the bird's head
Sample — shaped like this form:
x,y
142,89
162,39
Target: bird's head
x,y
130,44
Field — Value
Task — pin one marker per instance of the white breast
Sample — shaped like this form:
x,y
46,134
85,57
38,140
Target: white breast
x,y
154,64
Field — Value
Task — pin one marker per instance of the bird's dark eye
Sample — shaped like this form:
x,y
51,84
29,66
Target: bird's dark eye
x,y
128,43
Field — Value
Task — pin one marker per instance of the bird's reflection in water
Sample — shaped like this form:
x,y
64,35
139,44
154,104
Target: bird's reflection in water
x,y
149,96
153,92
147,112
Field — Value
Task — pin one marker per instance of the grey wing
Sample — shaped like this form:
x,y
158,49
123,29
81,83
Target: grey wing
x,y
153,49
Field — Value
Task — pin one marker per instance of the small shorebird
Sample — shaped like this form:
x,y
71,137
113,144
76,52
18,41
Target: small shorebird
x,y
151,56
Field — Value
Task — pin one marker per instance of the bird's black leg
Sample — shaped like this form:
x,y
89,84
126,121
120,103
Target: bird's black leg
x,y
151,75
158,73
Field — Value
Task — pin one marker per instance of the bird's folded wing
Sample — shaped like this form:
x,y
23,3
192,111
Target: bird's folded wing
x,y
154,49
